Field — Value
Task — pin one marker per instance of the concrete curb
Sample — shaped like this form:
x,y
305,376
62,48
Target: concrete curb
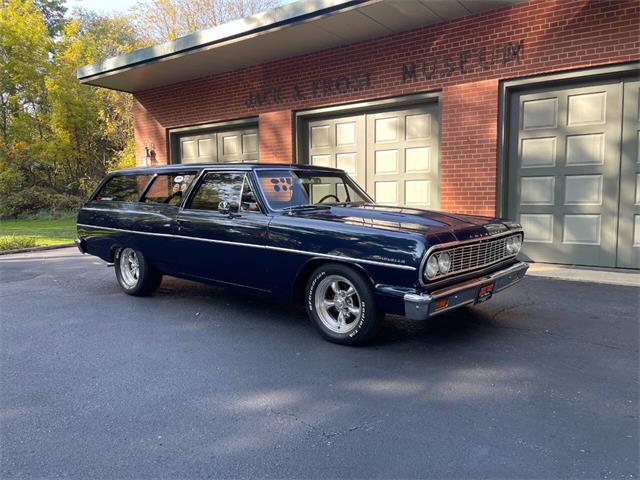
x,y
605,276
36,249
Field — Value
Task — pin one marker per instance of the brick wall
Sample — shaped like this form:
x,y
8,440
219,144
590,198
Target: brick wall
x,y
556,35
276,136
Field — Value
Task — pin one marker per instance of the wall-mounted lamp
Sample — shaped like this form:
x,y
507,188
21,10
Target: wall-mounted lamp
x,y
149,155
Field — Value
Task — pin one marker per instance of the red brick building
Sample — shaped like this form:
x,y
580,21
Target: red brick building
x,y
523,109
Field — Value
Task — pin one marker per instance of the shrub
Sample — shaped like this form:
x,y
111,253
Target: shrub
x,y
13,242
34,200
11,180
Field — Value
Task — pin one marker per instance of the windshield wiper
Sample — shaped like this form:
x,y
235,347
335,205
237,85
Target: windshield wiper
x,y
306,206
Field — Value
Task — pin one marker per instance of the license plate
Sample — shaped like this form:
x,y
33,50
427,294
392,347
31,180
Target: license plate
x,y
485,292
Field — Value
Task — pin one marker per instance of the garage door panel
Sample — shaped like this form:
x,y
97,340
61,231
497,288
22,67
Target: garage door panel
x,y
585,149
537,190
538,152
198,148
386,162
418,126
539,112
417,160
238,145
564,172
386,192
629,222
387,129
250,144
587,108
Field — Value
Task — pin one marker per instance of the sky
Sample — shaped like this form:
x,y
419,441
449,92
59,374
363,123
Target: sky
x,y
106,6
102,6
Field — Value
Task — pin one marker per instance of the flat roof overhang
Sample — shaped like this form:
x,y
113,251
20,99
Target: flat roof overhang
x,y
295,29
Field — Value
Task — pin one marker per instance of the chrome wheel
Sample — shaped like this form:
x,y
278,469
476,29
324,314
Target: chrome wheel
x,y
129,267
338,304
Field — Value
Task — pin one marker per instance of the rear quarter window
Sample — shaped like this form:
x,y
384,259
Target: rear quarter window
x,y
123,188
169,188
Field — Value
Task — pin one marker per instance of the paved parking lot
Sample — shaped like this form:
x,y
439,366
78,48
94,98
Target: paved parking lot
x,y
540,382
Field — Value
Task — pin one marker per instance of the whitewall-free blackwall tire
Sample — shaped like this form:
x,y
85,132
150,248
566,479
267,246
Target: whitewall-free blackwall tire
x,y
134,274
341,304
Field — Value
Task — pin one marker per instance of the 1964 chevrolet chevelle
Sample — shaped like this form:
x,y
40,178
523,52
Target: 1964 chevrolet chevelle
x,y
296,233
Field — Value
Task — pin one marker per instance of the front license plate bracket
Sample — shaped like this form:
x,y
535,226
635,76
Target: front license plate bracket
x,y
485,292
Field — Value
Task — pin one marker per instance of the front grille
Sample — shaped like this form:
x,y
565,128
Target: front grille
x,y
476,255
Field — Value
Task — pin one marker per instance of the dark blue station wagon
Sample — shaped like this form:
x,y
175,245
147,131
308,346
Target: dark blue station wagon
x,y
296,233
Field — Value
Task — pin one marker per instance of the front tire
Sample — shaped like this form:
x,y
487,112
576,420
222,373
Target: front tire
x,y
135,276
341,304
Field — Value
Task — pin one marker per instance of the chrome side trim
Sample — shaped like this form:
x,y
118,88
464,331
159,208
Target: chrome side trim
x,y
122,210
251,245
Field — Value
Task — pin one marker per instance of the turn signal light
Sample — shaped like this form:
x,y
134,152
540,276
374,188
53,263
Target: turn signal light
x,y
441,303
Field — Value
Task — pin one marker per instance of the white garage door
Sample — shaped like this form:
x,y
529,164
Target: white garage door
x,y
239,145
392,154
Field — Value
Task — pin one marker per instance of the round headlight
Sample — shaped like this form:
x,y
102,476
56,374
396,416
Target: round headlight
x,y
444,262
517,244
509,245
432,267
513,244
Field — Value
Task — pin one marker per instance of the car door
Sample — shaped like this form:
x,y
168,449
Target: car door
x,y
159,206
220,236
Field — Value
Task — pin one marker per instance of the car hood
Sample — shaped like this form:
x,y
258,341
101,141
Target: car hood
x,y
445,226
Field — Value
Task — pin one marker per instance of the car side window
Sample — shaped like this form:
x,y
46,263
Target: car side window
x,y
217,187
169,188
123,188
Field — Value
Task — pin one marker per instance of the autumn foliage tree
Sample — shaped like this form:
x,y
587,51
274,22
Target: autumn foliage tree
x,y
163,20
58,137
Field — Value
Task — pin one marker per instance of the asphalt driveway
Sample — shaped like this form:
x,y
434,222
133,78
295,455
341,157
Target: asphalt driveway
x,y
540,382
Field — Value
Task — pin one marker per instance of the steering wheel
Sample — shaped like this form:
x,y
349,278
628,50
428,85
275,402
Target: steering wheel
x,y
328,196
172,196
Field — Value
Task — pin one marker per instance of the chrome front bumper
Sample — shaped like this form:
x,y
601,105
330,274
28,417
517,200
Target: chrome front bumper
x,y
422,306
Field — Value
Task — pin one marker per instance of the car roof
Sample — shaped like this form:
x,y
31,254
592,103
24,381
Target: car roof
x,y
180,167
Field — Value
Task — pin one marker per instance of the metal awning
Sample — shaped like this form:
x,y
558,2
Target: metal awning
x,y
298,28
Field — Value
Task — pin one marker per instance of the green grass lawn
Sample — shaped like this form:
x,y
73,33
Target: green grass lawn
x,y
37,232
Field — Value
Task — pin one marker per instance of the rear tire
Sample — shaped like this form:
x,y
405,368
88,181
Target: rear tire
x,y
135,275
341,304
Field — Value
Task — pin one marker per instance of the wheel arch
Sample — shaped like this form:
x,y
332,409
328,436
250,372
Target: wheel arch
x,y
302,277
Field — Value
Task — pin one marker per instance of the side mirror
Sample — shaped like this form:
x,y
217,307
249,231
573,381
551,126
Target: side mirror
x,y
228,208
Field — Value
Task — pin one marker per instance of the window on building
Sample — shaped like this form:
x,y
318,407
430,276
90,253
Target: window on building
x,y
169,188
123,188
217,187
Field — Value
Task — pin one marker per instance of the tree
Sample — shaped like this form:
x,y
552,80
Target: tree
x,y
53,12
162,20
24,64
55,134
58,137
90,126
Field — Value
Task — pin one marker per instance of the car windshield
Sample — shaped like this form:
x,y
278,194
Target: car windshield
x,y
299,189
